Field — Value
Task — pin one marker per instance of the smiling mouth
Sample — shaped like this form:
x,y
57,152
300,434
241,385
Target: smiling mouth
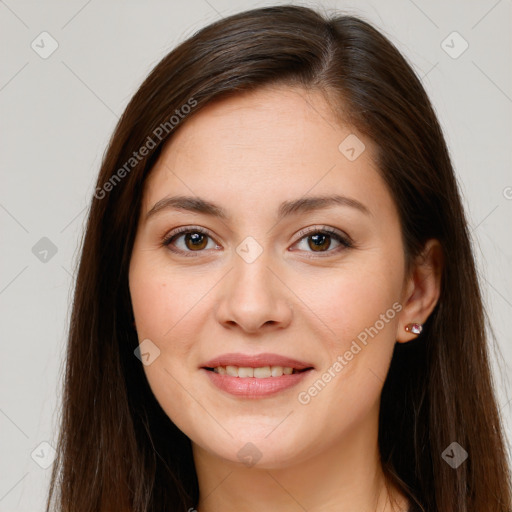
x,y
261,372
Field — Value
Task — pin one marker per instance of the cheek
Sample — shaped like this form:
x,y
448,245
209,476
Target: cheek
x,y
359,315
349,303
158,310
358,312
150,300
159,299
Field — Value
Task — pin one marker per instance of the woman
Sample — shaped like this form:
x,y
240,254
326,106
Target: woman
x,y
277,305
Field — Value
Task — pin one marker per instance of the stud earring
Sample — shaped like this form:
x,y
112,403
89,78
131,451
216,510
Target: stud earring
x,y
414,328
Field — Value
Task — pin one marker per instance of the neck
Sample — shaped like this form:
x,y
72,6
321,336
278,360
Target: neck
x,y
347,477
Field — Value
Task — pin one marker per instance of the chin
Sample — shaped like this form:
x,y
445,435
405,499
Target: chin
x,y
260,451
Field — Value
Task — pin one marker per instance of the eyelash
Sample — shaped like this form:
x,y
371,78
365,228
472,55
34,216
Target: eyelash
x,y
345,241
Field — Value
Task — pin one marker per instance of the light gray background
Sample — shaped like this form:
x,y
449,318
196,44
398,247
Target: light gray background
x,y
58,113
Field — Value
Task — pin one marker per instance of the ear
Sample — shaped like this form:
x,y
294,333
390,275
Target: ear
x,y
421,289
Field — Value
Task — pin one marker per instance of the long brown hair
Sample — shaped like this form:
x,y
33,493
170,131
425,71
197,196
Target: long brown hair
x,y
117,450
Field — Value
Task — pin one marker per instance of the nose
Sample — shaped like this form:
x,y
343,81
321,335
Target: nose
x,y
254,298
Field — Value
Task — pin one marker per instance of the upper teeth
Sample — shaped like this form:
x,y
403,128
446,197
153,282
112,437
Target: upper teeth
x,y
259,373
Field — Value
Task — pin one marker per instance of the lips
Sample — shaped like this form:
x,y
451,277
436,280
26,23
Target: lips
x,y
256,361
286,373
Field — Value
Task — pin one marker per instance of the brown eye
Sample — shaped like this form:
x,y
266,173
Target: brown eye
x,y
195,241
319,241
322,240
188,240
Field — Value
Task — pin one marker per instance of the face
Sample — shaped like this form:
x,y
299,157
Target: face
x,y
255,271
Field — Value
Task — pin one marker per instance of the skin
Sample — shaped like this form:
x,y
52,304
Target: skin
x,y
248,153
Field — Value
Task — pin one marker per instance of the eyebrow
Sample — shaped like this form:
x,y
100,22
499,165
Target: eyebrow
x,y
286,208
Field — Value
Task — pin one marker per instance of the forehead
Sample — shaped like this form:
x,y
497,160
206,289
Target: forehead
x,y
277,116
275,141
